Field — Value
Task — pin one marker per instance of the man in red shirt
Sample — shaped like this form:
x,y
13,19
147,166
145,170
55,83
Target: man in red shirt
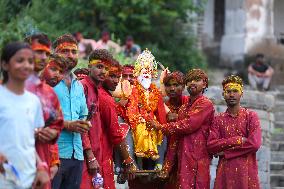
x,y
192,130
174,86
235,136
51,107
105,133
52,74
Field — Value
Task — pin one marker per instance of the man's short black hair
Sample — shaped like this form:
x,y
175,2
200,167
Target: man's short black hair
x,y
40,38
64,38
101,54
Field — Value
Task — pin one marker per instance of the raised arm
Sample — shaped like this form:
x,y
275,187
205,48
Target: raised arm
x,y
193,121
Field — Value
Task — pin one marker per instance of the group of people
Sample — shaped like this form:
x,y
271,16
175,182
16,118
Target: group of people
x,y
85,46
59,130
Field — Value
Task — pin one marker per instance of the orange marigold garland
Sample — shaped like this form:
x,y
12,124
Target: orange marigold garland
x,y
140,108
148,103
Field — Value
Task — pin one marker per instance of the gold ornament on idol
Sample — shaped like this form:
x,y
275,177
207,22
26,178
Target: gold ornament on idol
x,y
146,60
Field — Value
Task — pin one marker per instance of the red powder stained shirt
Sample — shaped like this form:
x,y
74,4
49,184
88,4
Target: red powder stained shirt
x,y
170,162
93,139
237,168
192,129
53,118
112,134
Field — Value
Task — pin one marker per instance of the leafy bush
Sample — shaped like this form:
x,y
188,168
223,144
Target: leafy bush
x,y
162,26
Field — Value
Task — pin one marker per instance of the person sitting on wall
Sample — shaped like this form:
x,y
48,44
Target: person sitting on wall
x,y
260,73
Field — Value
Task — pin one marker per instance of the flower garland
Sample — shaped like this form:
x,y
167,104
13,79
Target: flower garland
x,y
149,103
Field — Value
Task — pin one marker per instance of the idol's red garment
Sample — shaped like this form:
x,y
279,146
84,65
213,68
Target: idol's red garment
x,y
93,139
237,168
52,114
192,130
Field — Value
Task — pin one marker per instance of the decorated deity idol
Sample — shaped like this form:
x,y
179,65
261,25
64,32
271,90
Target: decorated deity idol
x,y
145,102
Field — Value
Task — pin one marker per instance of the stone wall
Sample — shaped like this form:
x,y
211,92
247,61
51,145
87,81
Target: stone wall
x,y
263,104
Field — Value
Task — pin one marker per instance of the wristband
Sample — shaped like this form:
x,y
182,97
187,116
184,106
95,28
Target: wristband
x,y
92,160
127,162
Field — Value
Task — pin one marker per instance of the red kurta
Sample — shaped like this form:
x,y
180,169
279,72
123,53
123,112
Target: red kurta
x,y
170,162
238,167
192,129
93,139
113,134
53,118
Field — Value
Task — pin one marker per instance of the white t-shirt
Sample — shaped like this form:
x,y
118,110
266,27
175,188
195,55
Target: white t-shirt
x,y
19,116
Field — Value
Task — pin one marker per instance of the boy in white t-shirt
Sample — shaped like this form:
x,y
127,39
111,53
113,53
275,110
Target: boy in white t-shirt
x,y
20,115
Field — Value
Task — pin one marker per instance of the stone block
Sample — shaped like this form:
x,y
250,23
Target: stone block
x,y
277,146
277,136
277,156
279,116
258,100
276,167
276,180
279,124
279,106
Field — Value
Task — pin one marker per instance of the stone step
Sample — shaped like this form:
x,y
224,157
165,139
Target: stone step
x,y
280,96
279,106
276,166
277,156
277,146
277,172
279,116
279,124
276,180
277,136
280,88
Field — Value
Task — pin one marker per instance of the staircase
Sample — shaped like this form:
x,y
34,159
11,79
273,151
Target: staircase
x,y
277,145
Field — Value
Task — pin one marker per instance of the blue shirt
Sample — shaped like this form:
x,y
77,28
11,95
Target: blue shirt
x,y
74,107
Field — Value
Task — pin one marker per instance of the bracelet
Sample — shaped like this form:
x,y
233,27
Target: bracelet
x,y
92,160
128,161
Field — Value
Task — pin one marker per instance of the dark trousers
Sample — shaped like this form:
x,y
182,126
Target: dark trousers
x,y
69,174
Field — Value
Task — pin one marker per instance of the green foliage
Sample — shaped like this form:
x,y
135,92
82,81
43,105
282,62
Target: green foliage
x,y
163,26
